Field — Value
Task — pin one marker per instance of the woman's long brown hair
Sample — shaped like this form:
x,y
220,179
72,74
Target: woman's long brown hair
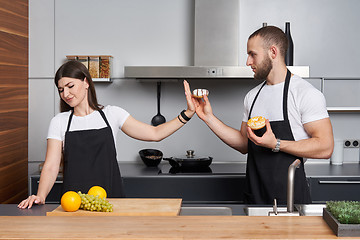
x,y
75,69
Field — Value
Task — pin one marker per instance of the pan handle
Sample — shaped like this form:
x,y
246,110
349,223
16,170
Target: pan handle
x,y
173,162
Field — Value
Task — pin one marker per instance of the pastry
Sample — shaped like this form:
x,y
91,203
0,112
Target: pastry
x,y
256,123
199,93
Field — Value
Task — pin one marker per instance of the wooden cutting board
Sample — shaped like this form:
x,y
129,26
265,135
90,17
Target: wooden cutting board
x,y
130,207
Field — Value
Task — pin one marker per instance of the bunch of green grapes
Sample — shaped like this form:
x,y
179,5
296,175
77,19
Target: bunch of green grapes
x,y
94,203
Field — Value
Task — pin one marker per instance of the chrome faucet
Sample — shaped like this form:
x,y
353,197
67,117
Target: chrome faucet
x,y
290,185
290,193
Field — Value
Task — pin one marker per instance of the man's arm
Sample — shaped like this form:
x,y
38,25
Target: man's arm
x,y
235,138
319,145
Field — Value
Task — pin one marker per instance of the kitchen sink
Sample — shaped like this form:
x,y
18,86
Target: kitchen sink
x,y
310,209
262,210
300,210
291,209
205,211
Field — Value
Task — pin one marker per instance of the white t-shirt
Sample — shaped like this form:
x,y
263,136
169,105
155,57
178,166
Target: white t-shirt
x,y
305,104
116,117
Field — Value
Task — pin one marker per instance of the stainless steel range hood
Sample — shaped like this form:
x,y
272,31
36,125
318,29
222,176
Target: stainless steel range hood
x,y
216,47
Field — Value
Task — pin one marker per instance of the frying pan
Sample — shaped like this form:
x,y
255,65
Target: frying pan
x,y
189,161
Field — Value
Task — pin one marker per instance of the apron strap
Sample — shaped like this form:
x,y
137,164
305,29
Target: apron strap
x,y
69,121
285,97
252,105
103,116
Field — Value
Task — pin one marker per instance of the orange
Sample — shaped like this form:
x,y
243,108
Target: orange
x,y
70,201
97,190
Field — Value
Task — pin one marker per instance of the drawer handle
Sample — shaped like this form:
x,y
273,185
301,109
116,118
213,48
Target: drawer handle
x,y
339,182
57,181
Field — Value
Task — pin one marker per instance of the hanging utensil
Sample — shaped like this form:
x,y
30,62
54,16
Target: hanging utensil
x,y
158,118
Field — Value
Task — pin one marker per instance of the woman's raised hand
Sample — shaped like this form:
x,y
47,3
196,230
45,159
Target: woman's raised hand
x,y
190,100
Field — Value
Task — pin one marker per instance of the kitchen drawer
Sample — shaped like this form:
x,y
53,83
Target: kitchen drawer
x,y
55,193
222,189
335,188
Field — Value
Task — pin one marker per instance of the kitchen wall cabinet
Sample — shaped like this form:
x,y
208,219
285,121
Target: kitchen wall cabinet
x,y
335,188
342,94
42,39
13,100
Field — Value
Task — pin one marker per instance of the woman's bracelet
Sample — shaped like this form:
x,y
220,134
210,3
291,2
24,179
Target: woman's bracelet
x,y
181,120
183,115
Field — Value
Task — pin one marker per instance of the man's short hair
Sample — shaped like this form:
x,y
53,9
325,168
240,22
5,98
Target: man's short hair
x,y
272,35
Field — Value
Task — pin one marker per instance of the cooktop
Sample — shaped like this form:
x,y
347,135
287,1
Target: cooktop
x,y
213,169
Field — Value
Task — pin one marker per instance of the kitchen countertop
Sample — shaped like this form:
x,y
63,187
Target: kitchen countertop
x,y
312,169
32,224
329,170
36,210
175,227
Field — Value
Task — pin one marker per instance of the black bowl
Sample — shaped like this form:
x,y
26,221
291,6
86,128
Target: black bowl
x,y
151,157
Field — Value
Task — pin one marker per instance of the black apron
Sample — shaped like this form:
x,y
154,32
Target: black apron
x,y
267,171
90,160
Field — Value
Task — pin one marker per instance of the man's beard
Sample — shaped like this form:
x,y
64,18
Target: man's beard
x,y
263,69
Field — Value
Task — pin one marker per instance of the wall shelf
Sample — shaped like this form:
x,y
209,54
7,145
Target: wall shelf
x,y
105,80
344,109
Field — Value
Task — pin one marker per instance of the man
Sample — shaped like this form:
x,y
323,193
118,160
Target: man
x,y
297,125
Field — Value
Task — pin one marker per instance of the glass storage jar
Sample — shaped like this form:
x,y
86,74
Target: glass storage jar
x,y
105,66
72,57
94,66
84,60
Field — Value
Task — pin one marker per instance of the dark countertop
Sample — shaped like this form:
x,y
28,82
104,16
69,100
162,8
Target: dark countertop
x,y
329,170
40,210
312,169
164,169
36,210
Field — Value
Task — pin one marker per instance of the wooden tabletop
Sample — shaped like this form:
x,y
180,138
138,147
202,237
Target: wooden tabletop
x,y
164,227
131,207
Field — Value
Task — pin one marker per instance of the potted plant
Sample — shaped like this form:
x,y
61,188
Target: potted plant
x,y
343,217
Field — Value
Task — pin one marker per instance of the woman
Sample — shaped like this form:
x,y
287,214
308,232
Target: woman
x,y
83,133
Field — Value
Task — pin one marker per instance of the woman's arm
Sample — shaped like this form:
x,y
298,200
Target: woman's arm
x,y
48,174
146,132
